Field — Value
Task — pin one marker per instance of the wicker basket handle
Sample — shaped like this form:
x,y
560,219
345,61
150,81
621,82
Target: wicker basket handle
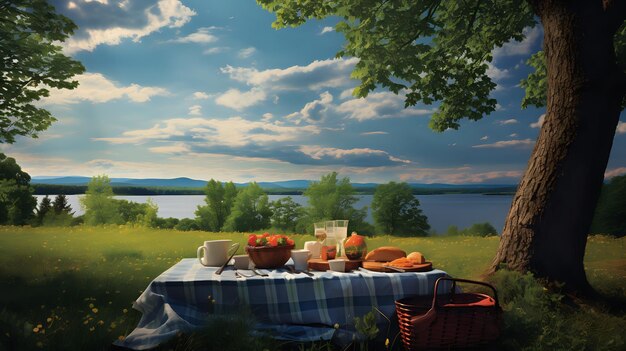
x,y
452,291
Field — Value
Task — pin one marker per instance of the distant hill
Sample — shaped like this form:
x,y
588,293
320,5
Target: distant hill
x,y
149,182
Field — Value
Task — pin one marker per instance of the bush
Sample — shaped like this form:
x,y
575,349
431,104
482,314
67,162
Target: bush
x,y
535,318
187,224
476,229
166,223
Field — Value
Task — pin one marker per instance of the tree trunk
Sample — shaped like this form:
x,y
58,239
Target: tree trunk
x,y
551,213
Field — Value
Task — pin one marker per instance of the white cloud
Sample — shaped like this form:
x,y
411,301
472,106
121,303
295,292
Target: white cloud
x,y
484,138
621,127
314,111
513,135
176,148
318,153
200,95
614,172
316,75
247,52
459,175
215,50
506,143
267,117
230,132
327,30
524,47
195,110
507,121
375,133
201,36
377,106
346,94
539,122
96,88
239,100
166,13
496,74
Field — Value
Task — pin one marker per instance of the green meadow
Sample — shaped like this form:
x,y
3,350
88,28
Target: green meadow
x,y
72,288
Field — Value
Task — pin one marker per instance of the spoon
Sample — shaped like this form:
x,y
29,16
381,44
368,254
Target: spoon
x,y
219,271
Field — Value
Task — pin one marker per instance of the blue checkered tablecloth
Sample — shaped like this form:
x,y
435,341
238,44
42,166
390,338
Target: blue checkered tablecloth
x,y
296,306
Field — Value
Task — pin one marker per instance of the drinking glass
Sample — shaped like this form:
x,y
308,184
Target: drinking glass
x,y
320,231
341,233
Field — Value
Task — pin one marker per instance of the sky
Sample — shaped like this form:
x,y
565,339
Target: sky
x,y
208,89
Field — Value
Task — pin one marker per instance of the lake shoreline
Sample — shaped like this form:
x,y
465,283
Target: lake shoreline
x,y
442,210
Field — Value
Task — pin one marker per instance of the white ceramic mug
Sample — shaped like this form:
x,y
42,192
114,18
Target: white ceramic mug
x,y
215,252
300,259
242,261
337,265
315,247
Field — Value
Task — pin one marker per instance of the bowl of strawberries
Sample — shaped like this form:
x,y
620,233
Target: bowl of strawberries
x,y
269,251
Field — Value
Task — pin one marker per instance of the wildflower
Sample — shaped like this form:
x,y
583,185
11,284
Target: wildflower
x,y
92,329
125,310
35,330
49,320
86,321
94,310
91,305
387,343
336,326
121,338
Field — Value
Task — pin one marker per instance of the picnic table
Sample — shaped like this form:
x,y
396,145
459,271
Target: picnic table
x,y
293,307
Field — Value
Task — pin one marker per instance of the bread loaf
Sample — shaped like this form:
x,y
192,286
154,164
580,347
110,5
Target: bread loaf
x,y
385,254
416,257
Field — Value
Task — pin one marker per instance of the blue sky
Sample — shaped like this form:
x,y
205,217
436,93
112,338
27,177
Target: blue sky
x,y
207,89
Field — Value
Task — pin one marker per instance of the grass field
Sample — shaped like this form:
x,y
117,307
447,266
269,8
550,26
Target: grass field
x,y
72,288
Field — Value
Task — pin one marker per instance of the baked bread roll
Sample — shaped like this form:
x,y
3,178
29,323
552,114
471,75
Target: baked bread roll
x,y
385,254
416,257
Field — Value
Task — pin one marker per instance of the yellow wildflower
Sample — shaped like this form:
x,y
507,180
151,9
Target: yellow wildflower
x,y
94,310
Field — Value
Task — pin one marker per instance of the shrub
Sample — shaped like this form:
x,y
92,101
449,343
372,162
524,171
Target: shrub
x,y
187,224
536,319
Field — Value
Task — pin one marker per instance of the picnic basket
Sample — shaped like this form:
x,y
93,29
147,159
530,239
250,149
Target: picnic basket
x,y
453,320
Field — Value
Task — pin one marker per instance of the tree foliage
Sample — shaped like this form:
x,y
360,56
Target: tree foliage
x,y
396,211
45,206
286,213
61,205
610,216
332,198
32,63
430,51
16,200
250,210
219,201
98,203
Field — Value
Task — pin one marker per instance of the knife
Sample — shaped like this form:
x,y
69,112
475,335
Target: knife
x,y
219,271
395,269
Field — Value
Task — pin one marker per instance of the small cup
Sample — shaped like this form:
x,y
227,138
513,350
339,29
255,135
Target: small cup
x,y
242,261
215,252
337,265
300,259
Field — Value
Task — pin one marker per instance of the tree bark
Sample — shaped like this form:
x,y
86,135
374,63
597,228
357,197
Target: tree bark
x,y
550,216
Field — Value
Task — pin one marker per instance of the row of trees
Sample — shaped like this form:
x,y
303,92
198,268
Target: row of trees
x,y
396,211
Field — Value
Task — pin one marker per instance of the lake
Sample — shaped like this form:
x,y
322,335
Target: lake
x,y
442,211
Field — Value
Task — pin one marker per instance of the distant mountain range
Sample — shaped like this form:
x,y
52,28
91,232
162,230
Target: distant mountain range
x,y
288,184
